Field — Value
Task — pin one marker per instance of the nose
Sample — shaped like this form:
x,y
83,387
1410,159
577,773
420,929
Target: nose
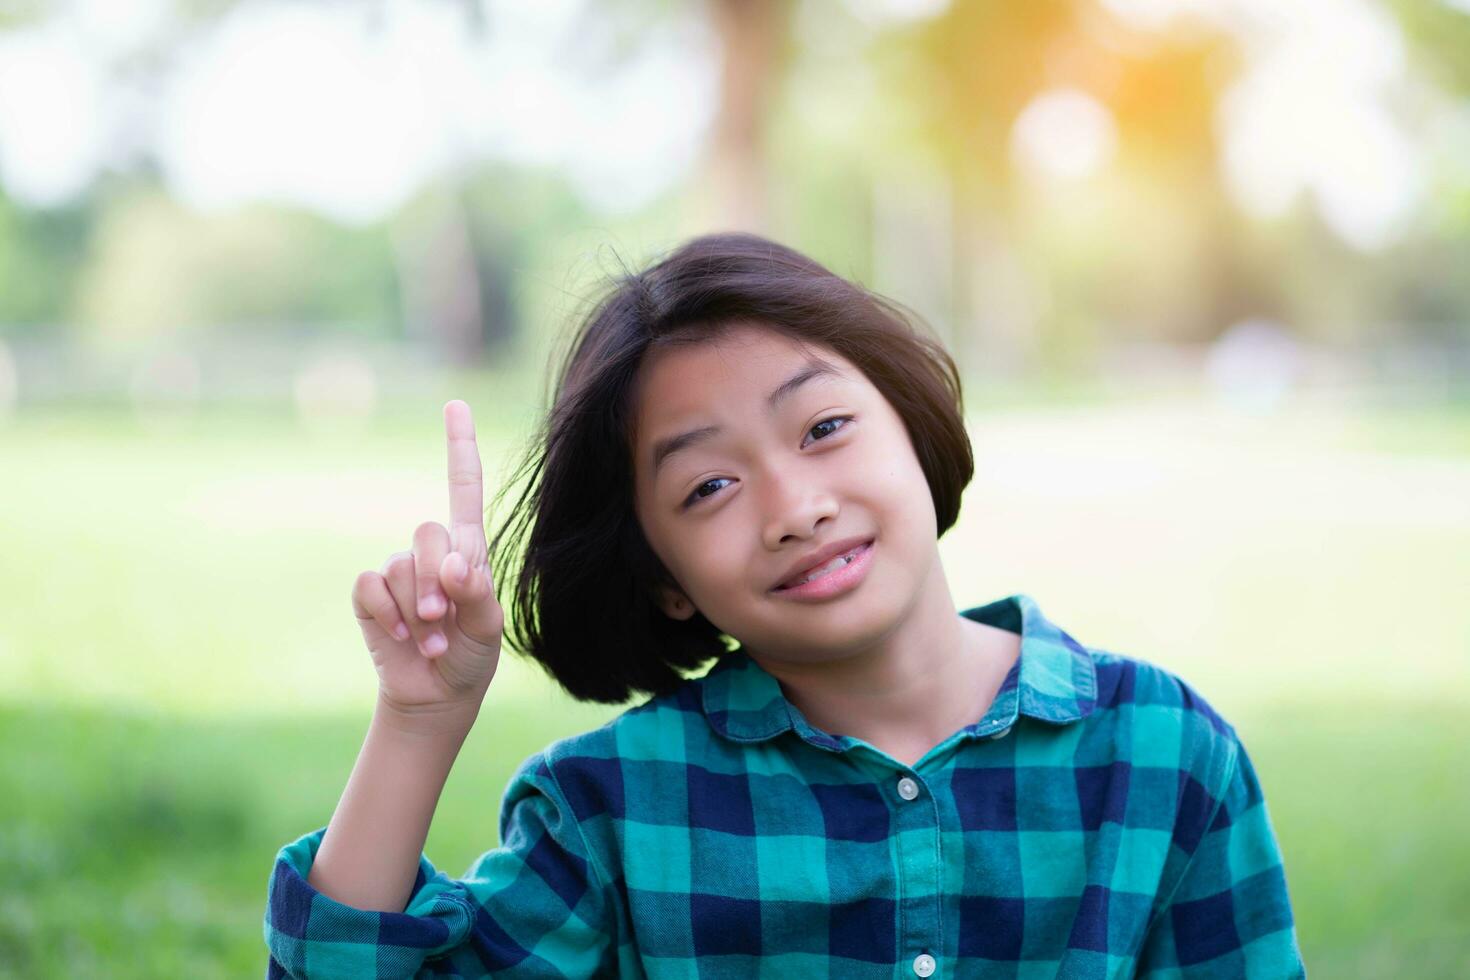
x,y
794,506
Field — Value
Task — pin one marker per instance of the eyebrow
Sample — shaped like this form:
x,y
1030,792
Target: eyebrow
x,y
814,368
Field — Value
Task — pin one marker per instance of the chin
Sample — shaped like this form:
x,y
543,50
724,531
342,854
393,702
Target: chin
x,y
833,632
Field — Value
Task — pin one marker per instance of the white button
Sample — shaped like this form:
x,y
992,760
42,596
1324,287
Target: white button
x,y
1002,733
923,964
908,789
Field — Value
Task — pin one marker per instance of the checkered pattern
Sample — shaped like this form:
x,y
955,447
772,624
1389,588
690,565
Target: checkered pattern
x,y
1101,820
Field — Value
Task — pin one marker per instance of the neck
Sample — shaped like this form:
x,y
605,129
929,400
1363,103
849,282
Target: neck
x,y
935,673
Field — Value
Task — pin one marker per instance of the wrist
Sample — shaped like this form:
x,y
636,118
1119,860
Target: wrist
x,y
452,719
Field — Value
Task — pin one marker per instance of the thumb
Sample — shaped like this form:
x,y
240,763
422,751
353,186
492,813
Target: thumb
x,y
478,614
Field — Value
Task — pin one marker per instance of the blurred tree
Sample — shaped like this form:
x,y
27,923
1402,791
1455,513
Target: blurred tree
x,y
1432,288
462,245
40,253
971,71
454,272
731,181
453,250
1164,101
156,268
16,13
1439,32
755,53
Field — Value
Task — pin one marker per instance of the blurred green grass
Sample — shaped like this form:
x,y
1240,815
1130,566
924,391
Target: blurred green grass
x,y
182,688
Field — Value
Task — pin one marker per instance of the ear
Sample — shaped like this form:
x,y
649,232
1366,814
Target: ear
x,y
675,604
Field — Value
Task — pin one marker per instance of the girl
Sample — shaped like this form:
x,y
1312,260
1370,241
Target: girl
x,y
750,460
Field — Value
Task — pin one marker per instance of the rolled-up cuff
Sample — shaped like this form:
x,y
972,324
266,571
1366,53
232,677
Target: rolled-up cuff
x,y
312,935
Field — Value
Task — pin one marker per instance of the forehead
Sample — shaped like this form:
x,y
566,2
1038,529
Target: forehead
x,y
686,380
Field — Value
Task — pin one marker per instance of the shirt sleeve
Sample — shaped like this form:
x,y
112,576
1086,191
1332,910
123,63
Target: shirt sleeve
x,y
1230,915
536,906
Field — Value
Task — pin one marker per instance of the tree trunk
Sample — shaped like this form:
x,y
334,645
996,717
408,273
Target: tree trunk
x,y
752,42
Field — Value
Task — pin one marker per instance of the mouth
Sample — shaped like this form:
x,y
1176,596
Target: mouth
x,y
831,577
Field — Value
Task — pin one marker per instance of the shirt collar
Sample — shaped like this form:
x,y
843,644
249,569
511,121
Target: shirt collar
x,y
1054,680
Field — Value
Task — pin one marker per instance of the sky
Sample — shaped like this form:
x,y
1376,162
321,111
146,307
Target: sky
x,y
348,109
344,112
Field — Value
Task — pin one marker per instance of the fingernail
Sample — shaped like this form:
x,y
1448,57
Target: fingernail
x,y
428,606
460,568
400,631
435,643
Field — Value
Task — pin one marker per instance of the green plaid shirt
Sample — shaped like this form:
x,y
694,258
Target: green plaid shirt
x,y
1101,820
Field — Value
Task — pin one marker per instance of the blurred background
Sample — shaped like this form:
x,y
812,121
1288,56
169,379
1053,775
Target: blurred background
x,y
1205,265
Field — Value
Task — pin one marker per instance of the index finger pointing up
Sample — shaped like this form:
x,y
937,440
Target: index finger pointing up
x,y
466,496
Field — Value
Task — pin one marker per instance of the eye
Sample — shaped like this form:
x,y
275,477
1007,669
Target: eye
x,y
836,418
696,496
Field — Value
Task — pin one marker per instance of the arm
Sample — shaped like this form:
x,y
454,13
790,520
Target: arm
x,y
432,624
1230,915
370,853
536,906
356,898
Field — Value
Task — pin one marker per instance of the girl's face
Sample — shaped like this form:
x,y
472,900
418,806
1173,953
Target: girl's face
x,y
786,461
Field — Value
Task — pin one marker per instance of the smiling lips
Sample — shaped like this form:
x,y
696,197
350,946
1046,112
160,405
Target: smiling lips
x,y
821,570
835,570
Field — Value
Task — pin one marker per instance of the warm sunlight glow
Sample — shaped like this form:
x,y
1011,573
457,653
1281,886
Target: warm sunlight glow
x,y
1064,134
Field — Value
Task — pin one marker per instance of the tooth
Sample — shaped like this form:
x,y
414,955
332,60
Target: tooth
x,y
827,568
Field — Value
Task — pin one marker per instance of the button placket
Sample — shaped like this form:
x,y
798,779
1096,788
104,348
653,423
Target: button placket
x,y
916,820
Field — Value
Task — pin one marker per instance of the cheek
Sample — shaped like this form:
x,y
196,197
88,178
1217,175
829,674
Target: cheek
x,y
707,557
896,483
891,466
677,548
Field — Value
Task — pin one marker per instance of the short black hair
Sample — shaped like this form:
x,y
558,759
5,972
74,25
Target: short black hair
x,y
583,600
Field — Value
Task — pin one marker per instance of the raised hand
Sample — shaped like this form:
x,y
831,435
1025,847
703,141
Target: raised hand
x,y
429,615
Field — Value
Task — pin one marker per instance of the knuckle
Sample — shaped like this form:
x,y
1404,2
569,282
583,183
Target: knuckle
x,y
401,595
371,599
363,584
427,530
393,560
409,613
383,606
